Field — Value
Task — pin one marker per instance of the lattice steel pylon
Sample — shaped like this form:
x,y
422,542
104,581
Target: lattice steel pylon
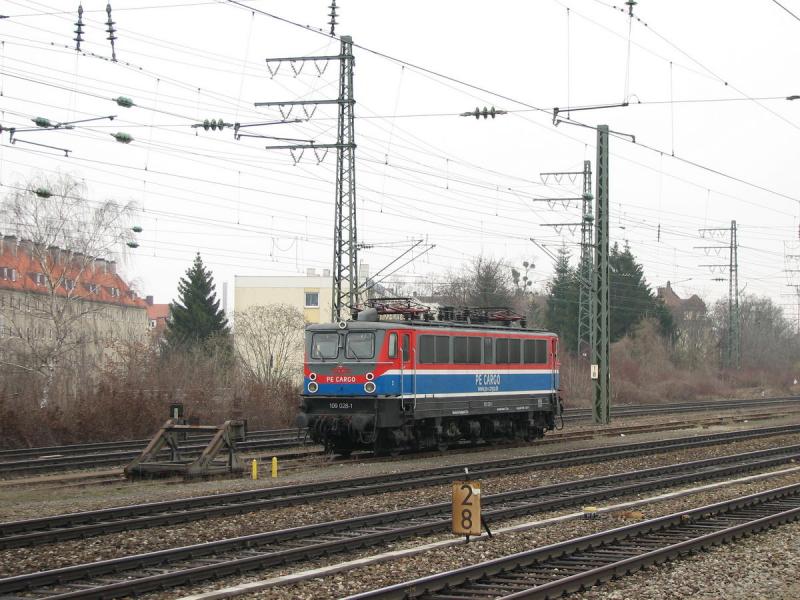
x,y
345,234
345,296
732,357
734,334
586,265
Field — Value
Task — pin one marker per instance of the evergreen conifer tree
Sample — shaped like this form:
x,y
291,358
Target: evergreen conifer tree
x,y
631,297
562,301
195,317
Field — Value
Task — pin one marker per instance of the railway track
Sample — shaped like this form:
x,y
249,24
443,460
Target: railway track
x,y
155,514
186,565
107,454
68,457
99,447
576,564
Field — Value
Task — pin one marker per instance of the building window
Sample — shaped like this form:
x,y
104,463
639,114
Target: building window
x,y
69,284
8,273
92,287
312,299
38,278
114,292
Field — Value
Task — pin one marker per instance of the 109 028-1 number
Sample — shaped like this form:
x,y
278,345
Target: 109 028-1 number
x,y
340,405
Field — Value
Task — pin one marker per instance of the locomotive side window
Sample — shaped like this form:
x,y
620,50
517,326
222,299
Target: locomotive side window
x,y
535,352
442,349
541,352
392,345
460,350
324,345
488,350
360,344
474,350
405,348
427,354
529,351
513,351
501,352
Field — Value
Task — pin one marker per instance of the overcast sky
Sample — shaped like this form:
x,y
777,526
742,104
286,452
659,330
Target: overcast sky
x,y
706,81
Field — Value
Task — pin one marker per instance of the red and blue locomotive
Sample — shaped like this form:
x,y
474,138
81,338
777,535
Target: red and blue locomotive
x,y
413,381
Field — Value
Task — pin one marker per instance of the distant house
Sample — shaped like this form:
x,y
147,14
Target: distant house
x,y
695,337
689,309
311,294
105,308
157,315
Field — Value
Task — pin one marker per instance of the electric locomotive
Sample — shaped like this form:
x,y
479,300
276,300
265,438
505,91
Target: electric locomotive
x,y
399,377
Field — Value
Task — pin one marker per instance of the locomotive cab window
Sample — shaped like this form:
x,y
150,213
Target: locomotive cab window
x,y
392,345
405,348
324,345
360,344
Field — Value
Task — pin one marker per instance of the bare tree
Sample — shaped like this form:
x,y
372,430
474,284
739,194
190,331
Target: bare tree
x,y
64,234
269,342
484,281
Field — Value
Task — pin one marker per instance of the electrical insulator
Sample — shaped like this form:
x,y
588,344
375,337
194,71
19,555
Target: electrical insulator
x,y
485,113
42,122
132,244
122,138
136,229
42,192
79,29
213,124
124,102
111,31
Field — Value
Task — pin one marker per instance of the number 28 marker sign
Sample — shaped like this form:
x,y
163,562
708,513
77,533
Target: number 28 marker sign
x,y
467,508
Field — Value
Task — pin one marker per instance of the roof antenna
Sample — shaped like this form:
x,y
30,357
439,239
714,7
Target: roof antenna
x,y
332,15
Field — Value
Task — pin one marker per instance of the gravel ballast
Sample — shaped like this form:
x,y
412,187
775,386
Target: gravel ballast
x,y
51,556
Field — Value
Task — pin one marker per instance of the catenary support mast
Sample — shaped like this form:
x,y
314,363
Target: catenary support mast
x,y
345,234
601,309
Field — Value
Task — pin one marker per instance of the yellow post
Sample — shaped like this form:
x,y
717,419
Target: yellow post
x,y
254,469
274,466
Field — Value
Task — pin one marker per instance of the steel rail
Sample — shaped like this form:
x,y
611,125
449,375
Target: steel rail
x,y
180,566
61,457
258,435
118,457
574,565
171,512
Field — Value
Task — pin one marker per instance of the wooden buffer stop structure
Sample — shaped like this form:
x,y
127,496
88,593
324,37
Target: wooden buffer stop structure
x,y
173,452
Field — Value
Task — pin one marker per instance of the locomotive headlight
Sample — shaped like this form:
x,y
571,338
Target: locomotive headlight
x,y
370,376
313,387
312,376
369,387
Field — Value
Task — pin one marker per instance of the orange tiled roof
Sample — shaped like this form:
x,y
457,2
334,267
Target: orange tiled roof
x,y
157,311
103,277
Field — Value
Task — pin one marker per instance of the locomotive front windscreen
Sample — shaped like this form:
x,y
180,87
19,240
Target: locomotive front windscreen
x,y
324,345
360,345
